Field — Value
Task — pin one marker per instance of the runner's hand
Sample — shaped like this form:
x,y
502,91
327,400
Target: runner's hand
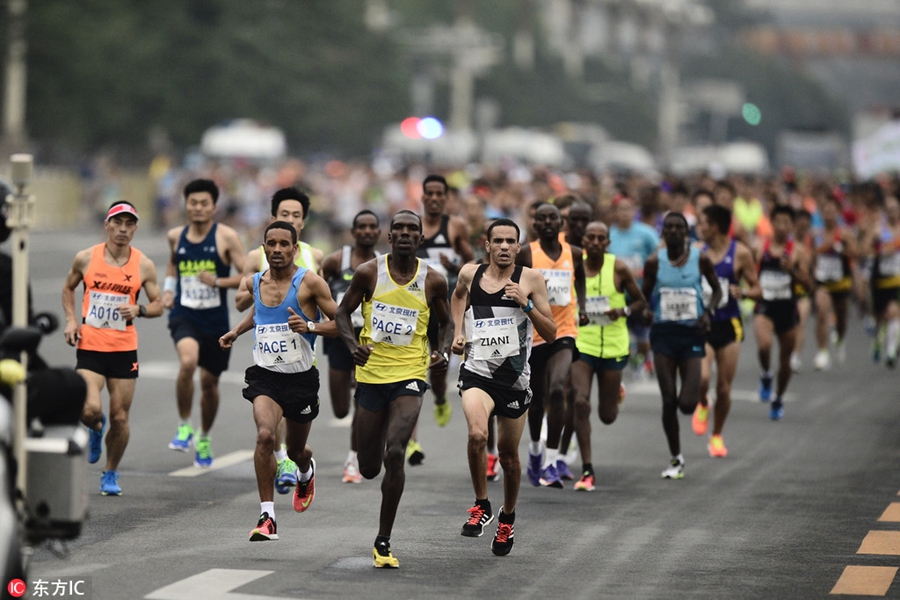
x,y
227,340
72,333
459,344
361,355
439,363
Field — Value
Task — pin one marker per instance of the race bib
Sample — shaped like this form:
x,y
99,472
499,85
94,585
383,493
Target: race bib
x,y
889,265
559,286
103,310
278,345
196,294
635,264
595,307
829,268
678,304
393,324
356,317
776,285
495,338
707,291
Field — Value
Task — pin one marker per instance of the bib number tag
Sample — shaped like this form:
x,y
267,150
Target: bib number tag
x,y
393,324
596,306
103,311
678,304
776,285
196,294
496,338
559,286
889,265
277,345
707,291
829,268
356,317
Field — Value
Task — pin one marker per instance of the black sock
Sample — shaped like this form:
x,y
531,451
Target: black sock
x,y
383,539
507,518
484,504
587,469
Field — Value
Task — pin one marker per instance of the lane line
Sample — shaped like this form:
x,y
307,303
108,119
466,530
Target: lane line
x,y
891,514
881,542
214,583
219,462
865,581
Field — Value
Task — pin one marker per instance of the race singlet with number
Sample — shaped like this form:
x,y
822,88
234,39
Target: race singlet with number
x,y
678,304
829,268
276,344
393,325
559,286
495,338
776,285
596,307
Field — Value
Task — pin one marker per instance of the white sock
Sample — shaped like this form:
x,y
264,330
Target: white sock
x,y
267,507
535,448
351,457
551,456
281,453
185,422
768,374
204,434
306,476
893,336
679,458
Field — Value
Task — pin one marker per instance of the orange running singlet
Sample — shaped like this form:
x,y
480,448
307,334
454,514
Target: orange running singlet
x,y
105,287
560,278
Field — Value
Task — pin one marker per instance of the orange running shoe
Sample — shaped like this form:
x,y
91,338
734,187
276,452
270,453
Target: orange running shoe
x,y
700,420
492,463
717,447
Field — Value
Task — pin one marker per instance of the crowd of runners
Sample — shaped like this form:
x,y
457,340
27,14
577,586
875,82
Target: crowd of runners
x,y
538,293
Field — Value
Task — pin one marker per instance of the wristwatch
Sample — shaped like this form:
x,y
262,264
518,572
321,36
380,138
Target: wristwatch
x,y
627,311
311,326
528,307
142,311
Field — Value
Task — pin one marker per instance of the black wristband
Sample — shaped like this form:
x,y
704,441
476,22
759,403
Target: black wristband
x,y
142,311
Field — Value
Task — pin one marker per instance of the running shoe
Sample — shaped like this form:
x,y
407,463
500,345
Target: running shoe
x,y
285,476
204,457
109,484
265,530
586,483
765,388
675,470
492,471
700,420
442,413
503,539
796,363
717,447
776,412
890,359
840,351
95,444
534,468
414,453
621,393
822,361
550,477
876,351
479,516
183,438
351,473
562,469
305,491
383,557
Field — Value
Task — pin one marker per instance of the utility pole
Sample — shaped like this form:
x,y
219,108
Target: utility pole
x,y
13,135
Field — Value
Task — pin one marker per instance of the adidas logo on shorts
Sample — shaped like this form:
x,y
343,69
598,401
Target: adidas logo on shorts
x,y
413,385
513,405
496,354
306,411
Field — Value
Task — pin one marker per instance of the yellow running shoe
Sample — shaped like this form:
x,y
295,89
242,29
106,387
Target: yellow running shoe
x,y
382,556
442,413
414,453
717,447
700,420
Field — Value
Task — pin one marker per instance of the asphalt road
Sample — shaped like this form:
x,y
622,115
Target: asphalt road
x,y
785,515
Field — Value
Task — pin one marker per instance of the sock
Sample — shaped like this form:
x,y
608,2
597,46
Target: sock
x,y
306,476
893,336
506,517
267,507
440,401
281,453
383,539
492,449
535,449
768,374
204,434
186,422
587,469
351,457
550,457
484,504
679,458
778,401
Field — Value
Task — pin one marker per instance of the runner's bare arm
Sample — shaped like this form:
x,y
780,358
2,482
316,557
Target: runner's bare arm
x,y
580,290
172,237
638,301
745,270
458,306
244,326
243,299
651,268
801,270
436,293
321,295
541,315
234,254
361,287
76,275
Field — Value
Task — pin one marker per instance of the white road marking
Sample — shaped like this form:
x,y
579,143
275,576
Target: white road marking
x,y
220,462
214,583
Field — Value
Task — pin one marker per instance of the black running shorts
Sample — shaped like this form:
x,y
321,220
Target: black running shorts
x,y
296,393
112,365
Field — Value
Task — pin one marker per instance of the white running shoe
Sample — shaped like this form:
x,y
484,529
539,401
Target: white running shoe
x,y
822,362
675,470
796,363
840,351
